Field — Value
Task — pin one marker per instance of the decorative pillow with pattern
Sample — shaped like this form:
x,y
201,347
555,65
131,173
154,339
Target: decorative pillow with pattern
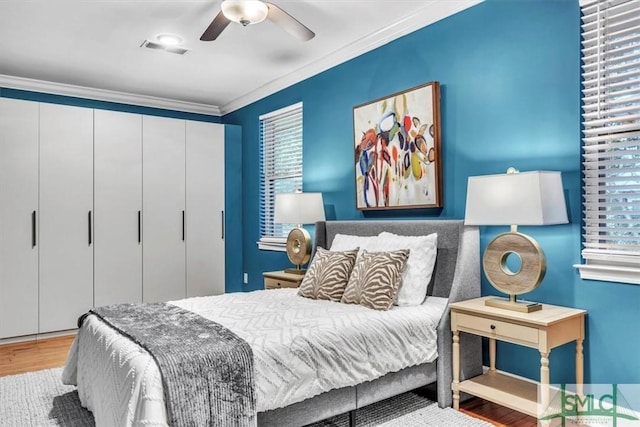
x,y
375,279
328,274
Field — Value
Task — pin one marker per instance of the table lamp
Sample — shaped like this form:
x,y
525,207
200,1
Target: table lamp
x,y
527,198
298,208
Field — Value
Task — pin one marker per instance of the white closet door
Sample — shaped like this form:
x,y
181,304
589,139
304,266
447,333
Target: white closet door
x,y
118,205
163,206
18,217
66,204
205,209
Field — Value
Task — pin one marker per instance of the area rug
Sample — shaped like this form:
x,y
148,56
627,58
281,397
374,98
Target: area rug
x,y
40,399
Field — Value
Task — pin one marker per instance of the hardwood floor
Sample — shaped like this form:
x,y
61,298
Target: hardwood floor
x,y
30,356
497,415
52,352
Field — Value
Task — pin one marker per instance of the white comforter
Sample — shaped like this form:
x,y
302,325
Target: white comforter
x,y
301,348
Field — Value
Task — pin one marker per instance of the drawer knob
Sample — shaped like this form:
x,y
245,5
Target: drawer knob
x,y
493,327
279,285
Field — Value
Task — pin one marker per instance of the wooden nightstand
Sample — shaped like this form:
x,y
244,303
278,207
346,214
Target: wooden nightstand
x,y
280,279
545,329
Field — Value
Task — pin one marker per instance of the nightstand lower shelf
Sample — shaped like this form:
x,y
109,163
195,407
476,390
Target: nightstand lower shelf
x,y
504,390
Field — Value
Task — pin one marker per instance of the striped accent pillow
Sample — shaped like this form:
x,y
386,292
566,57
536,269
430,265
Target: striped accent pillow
x,y
375,279
328,274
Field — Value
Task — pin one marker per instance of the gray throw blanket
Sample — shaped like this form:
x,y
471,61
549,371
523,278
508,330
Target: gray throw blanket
x,y
207,370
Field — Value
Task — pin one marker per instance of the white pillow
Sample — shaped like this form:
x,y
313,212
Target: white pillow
x,y
419,267
347,242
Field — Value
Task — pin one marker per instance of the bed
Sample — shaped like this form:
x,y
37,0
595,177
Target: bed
x,y
120,383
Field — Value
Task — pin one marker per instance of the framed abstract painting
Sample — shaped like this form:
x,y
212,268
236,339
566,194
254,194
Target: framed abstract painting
x,y
398,162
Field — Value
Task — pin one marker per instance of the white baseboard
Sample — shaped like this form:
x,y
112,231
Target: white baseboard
x,y
38,337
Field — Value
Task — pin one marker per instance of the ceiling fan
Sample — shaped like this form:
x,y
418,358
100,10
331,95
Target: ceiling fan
x,y
247,12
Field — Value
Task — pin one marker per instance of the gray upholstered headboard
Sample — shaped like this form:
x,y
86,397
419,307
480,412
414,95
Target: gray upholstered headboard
x,y
458,247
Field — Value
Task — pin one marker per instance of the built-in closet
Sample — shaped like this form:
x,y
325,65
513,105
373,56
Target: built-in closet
x,y
100,207
65,216
117,200
19,145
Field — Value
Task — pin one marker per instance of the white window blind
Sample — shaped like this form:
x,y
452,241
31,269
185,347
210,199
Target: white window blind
x,y
280,169
611,140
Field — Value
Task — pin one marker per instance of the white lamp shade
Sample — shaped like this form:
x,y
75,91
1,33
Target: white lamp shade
x,y
526,198
298,208
244,12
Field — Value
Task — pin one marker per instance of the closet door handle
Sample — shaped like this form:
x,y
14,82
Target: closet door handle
x,y
89,222
183,226
222,221
33,229
139,226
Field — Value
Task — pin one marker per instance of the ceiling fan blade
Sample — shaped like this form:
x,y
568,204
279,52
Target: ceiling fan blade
x,y
216,27
289,23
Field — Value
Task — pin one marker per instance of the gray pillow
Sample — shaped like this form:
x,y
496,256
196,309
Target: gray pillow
x,y
328,274
375,279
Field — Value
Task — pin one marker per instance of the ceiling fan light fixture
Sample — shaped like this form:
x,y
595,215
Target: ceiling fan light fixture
x,y
245,12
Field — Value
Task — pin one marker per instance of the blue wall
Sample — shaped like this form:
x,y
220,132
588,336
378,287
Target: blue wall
x,y
233,207
510,76
233,162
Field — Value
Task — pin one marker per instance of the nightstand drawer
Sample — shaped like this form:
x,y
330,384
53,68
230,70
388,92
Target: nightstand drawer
x,y
281,279
498,329
271,283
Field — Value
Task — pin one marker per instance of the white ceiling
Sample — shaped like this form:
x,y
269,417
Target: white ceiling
x,y
95,44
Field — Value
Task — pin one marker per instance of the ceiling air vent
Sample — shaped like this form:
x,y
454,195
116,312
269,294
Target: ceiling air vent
x,y
159,46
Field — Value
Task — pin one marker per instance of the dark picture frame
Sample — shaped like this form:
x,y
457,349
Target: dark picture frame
x,y
398,160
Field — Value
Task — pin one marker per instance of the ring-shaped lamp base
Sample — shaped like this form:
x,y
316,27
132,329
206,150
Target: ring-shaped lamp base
x,y
298,249
531,272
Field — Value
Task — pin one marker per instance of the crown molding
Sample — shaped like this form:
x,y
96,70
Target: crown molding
x,y
21,83
420,19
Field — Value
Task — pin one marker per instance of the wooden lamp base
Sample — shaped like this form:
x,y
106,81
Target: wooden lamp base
x,y
512,304
532,269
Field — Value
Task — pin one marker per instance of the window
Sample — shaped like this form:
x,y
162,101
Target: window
x,y
280,169
611,140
